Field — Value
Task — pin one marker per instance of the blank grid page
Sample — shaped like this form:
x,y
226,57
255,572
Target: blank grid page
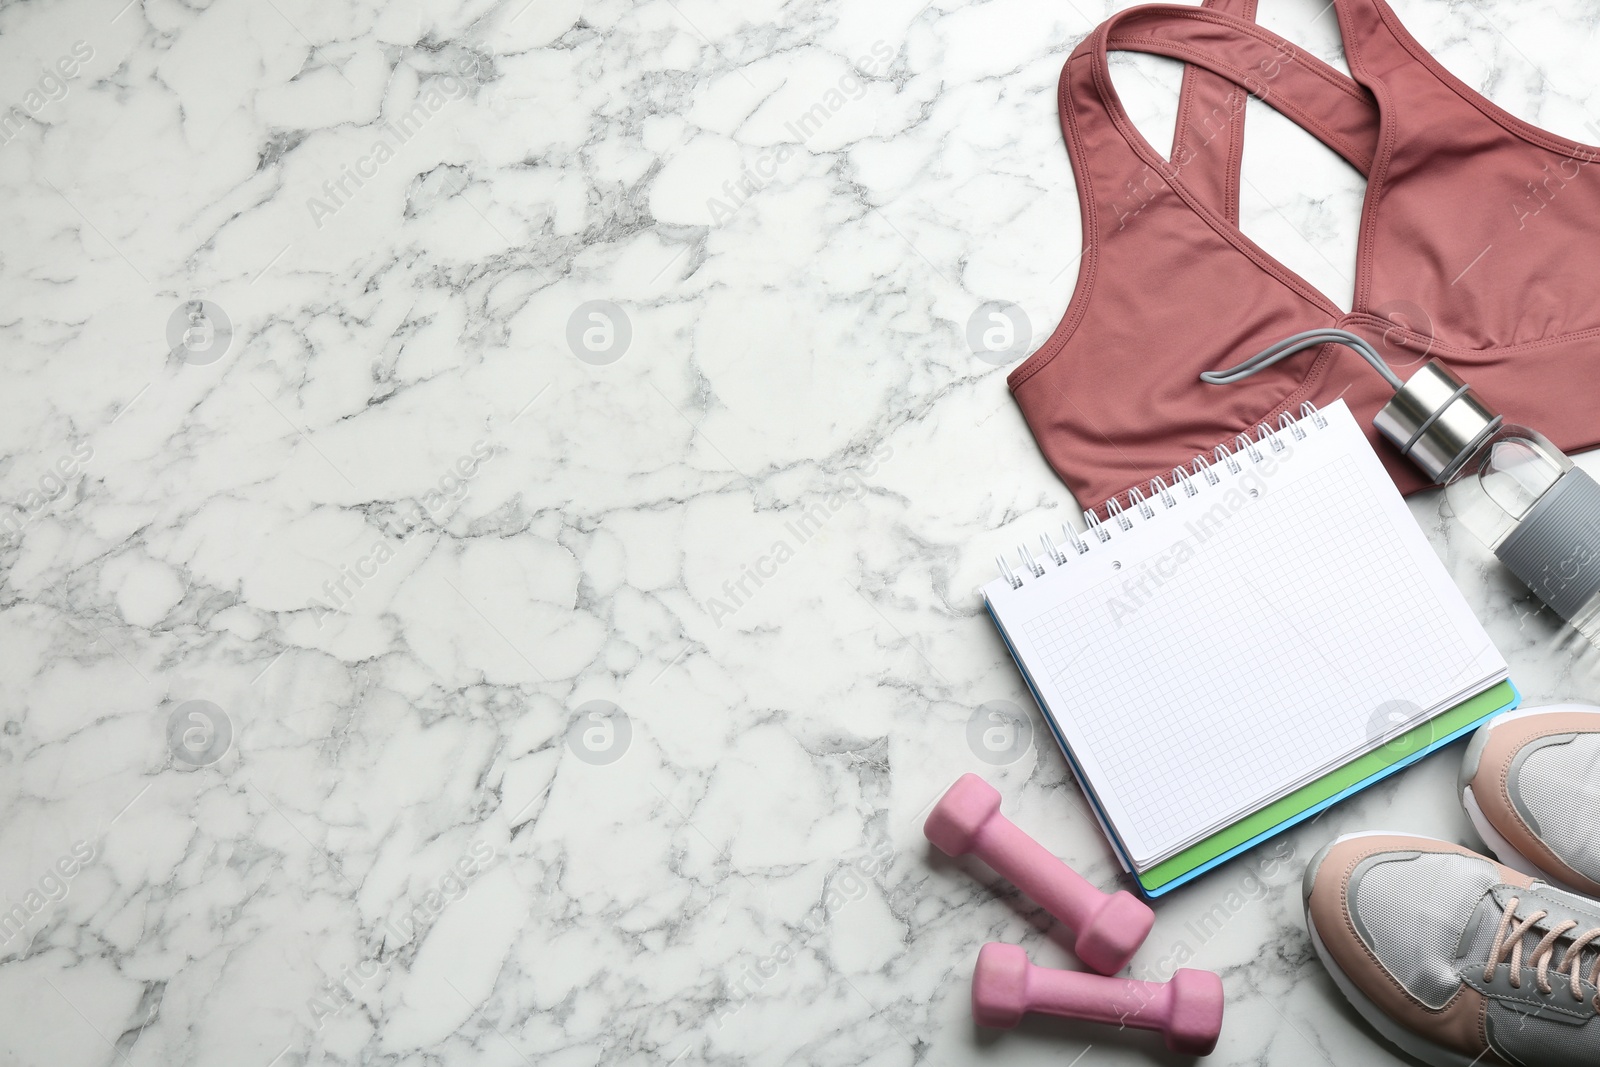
x,y
1249,654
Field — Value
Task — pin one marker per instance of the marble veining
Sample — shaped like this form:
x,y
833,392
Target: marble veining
x,y
495,496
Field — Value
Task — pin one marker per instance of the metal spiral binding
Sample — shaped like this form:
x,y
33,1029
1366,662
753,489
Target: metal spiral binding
x,y
1226,458
1164,493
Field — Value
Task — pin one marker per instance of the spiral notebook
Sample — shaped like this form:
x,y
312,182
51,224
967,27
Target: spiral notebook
x,y
1244,643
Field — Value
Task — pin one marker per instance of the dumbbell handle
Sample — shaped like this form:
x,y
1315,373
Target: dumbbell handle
x,y
1118,1001
1028,865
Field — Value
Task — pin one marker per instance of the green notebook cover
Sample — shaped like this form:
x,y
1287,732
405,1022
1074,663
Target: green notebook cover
x,y
1363,771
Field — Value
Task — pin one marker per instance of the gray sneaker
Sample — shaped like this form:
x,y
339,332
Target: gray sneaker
x,y
1530,783
1455,958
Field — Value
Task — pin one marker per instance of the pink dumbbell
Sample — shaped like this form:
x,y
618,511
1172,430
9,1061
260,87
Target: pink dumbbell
x,y
1110,927
1187,1010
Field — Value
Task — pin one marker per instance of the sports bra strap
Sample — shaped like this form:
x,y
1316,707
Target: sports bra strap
x,y
1327,104
1211,115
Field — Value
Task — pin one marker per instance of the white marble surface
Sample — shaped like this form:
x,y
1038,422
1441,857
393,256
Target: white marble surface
x,y
403,855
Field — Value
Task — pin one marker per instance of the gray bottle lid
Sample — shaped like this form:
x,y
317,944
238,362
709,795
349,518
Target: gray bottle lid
x,y
1437,421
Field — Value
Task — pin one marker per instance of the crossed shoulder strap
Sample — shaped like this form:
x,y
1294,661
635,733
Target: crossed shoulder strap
x,y
1211,114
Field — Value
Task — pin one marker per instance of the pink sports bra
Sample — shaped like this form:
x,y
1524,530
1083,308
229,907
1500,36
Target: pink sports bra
x,y
1479,246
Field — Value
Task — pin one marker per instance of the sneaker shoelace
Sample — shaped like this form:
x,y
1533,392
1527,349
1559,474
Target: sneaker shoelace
x,y
1507,948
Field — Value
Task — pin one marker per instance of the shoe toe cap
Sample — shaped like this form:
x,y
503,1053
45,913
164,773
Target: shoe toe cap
x,y
1392,909
1530,774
